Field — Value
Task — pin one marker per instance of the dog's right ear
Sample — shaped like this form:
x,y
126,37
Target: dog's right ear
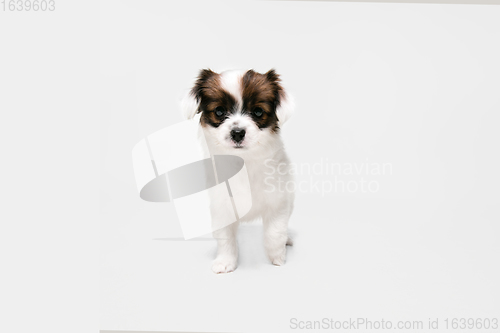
x,y
190,105
191,102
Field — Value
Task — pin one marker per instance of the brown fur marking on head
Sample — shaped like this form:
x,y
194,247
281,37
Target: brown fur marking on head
x,y
210,95
262,91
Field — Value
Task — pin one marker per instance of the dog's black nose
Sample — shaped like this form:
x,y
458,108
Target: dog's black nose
x,y
237,135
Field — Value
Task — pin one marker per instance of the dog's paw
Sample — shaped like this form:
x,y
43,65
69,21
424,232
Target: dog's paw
x,y
223,265
278,256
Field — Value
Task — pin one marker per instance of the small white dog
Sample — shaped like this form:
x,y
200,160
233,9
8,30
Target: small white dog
x,y
241,114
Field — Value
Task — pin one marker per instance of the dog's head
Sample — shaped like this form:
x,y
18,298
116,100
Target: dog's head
x,y
240,110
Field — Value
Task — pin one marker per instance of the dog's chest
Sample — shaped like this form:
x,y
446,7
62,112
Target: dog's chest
x,y
266,185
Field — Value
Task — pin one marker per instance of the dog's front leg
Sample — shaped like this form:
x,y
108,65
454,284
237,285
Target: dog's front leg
x,y
227,249
276,237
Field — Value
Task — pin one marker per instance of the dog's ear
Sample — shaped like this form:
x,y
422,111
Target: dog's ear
x,y
190,104
285,108
284,102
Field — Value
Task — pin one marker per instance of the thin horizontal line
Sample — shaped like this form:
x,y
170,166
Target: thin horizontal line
x,y
106,331
178,239
154,332
443,2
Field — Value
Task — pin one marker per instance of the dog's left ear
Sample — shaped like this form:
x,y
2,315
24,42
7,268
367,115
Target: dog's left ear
x,y
285,108
284,102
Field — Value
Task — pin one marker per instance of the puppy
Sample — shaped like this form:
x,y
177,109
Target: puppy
x,y
241,113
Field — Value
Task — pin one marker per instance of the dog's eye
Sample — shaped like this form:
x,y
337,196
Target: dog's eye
x,y
219,111
258,112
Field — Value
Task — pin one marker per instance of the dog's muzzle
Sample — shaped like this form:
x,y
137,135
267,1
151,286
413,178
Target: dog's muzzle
x,y
238,134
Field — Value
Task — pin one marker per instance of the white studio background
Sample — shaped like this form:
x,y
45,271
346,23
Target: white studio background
x,y
49,212
407,85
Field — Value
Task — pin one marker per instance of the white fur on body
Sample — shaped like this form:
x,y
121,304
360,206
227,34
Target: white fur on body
x,y
263,152
274,207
